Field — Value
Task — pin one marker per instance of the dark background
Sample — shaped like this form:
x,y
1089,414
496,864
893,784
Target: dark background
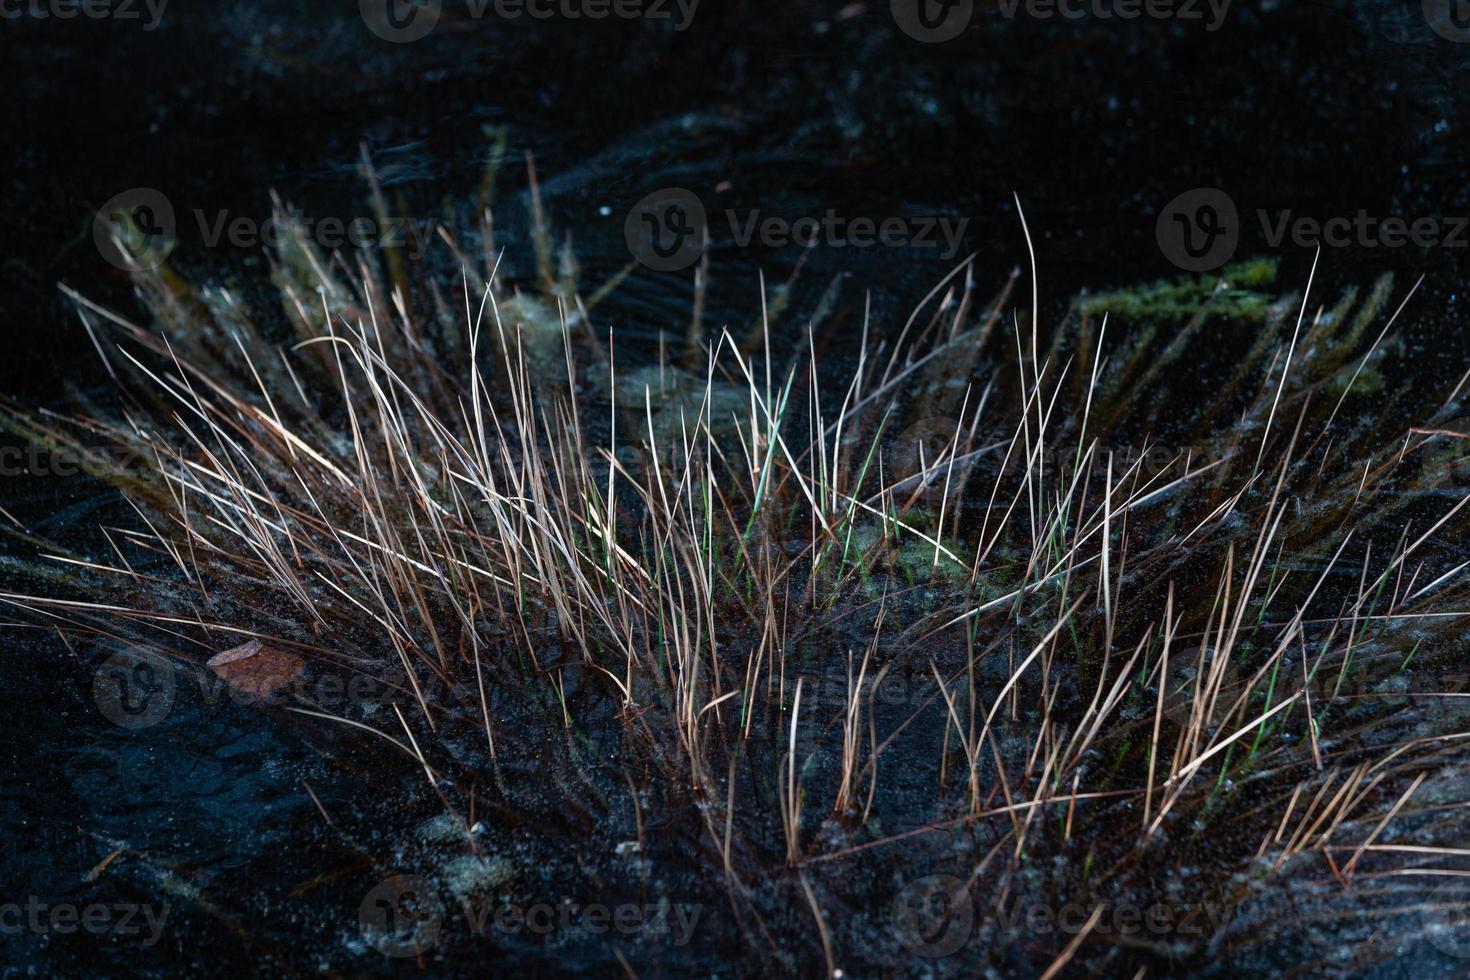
x,y
792,108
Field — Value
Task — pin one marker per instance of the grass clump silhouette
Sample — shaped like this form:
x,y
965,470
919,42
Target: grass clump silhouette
x,y
820,653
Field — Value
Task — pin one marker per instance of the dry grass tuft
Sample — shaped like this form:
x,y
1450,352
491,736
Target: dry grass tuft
x,y
1181,675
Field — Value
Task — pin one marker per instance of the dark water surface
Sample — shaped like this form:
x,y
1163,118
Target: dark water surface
x,y
792,109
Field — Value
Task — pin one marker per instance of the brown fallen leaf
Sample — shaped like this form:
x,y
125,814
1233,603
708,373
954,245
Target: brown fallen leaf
x,y
256,668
